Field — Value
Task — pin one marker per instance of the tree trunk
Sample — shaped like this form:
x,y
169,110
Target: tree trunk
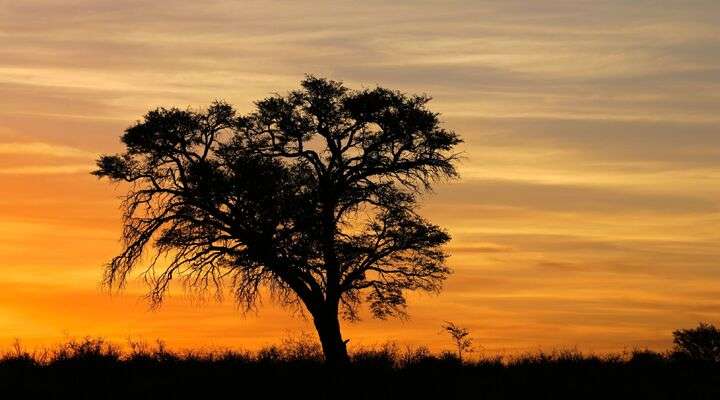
x,y
334,348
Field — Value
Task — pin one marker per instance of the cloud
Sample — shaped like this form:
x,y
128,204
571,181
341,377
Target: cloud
x,y
44,149
26,158
568,198
47,169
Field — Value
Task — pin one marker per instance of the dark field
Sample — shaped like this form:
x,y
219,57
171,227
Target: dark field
x,y
93,369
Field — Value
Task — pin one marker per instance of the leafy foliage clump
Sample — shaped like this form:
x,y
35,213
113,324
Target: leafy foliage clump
x,y
701,343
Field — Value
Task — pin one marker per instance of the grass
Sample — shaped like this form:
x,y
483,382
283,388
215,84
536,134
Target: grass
x,y
96,369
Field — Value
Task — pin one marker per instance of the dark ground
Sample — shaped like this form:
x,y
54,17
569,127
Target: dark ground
x,y
92,369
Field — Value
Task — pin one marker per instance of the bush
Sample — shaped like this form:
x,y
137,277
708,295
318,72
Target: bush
x,y
19,358
646,357
88,352
384,357
698,344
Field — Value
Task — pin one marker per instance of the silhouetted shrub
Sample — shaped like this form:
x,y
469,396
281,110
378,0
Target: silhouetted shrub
x,y
460,337
270,355
646,357
698,344
19,358
88,352
385,357
301,348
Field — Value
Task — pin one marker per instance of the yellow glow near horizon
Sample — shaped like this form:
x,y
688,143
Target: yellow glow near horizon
x,y
588,213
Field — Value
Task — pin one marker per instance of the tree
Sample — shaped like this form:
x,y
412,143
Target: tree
x,y
460,336
311,196
701,343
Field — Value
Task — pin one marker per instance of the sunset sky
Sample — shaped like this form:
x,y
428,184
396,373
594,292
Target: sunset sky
x,y
588,210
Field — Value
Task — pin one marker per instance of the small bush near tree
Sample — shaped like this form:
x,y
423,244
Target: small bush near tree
x,y
701,343
461,337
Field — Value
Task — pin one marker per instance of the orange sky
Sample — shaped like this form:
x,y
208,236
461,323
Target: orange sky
x,y
588,210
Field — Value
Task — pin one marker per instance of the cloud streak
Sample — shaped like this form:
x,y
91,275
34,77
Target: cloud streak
x,y
44,149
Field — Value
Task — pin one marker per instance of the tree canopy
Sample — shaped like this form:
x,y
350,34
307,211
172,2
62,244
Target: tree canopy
x,y
312,196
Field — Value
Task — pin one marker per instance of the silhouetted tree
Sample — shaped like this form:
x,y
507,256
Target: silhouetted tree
x,y
312,196
701,343
460,336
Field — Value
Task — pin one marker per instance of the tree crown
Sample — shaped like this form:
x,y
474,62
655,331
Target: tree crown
x,y
312,195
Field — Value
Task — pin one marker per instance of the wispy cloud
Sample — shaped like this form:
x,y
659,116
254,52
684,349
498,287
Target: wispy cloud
x,y
46,169
44,149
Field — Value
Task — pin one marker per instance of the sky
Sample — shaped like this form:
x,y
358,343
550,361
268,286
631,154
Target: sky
x,y
587,214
